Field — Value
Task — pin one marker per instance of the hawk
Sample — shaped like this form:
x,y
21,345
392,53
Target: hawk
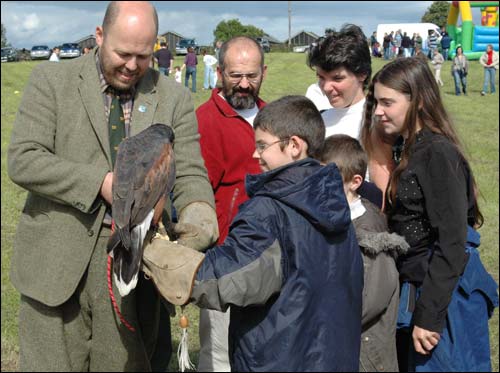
x,y
143,177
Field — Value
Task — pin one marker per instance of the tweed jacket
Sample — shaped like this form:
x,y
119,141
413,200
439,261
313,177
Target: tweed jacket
x,y
59,153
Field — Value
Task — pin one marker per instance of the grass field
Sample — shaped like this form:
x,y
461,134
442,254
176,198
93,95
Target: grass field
x,y
476,118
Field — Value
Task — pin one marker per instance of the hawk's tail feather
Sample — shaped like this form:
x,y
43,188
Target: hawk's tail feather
x,y
125,272
113,242
125,237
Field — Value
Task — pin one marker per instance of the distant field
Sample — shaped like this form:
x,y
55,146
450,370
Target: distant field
x,y
476,118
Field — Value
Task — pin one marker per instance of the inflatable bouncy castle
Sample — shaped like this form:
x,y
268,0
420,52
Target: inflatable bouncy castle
x,y
473,39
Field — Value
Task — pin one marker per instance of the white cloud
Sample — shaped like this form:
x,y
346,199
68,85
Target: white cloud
x,y
27,25
52,23
31,22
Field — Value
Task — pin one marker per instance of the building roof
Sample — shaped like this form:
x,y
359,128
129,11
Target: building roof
x,y
173,33
85,38
310,33
272,39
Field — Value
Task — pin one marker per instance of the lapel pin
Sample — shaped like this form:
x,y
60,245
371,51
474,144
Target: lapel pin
x,y
142,109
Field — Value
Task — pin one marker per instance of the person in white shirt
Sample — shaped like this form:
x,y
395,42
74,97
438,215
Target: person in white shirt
x,y
178,74
343,66
318,97
437,62
209,62
54,57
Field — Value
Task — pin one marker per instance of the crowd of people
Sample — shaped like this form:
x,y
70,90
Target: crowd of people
x,y
399,44
341,240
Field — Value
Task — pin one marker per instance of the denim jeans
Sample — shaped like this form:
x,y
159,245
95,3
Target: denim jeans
x,y
459,77
387,53
445,54
190,71
208,81
489,76
163,70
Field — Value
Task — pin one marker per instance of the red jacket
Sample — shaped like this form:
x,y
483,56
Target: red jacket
x,y
227,144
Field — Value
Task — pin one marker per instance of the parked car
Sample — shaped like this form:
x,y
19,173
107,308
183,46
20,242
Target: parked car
x,y
264,43
182,46
40,52
9,54
301,48
70,50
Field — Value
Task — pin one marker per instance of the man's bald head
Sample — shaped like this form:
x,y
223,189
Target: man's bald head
x,y
241,42
126,41
115,7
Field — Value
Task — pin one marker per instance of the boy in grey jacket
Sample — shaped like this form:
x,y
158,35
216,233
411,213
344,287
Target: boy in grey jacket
x,y
379,251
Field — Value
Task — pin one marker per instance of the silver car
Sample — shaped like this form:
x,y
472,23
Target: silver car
x,y
40,52
69,50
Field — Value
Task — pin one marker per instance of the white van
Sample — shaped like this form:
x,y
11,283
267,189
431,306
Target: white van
x,y
410,28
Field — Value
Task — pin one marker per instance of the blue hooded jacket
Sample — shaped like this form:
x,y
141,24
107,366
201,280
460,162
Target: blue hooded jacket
x,y
292,272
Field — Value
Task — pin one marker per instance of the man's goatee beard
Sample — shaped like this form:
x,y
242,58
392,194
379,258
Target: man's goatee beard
x,y
240,103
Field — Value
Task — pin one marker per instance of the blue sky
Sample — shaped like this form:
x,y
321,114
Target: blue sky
x,y
52,23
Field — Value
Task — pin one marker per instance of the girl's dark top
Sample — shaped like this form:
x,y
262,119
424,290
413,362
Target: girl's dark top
x,y
434,204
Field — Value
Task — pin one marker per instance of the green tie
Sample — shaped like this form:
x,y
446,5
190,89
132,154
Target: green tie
x,y
116,127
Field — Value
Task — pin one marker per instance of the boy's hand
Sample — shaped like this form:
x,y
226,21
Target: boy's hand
x,y
424,340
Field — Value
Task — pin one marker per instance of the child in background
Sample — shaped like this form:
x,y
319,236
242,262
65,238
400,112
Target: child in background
x,y
209,61
437,62
178,74
379,250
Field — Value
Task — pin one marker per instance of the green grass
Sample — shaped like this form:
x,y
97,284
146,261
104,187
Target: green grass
x,y
476,118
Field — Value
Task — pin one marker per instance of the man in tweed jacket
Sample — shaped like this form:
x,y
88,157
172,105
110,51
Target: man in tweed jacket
x,y
60,154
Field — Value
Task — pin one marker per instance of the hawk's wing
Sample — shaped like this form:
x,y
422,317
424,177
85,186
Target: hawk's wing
x,y
144,173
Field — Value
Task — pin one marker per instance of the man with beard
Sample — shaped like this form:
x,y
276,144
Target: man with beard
x,y
69,124
225,123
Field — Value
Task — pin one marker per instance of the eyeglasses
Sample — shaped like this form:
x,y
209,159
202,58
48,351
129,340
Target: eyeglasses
x,y
237,77
261,147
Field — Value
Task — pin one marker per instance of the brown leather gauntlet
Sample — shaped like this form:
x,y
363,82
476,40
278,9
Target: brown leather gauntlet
x,y
171,266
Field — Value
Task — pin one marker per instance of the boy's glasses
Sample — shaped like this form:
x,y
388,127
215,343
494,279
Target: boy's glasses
x,y
261,147
235,78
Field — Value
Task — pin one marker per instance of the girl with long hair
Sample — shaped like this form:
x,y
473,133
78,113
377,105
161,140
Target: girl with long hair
x,y
431,200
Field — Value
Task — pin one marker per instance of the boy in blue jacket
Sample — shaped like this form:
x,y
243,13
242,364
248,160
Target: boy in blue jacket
x,y
290,268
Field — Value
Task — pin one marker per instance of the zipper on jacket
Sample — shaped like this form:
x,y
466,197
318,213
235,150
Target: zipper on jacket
x,y
233,202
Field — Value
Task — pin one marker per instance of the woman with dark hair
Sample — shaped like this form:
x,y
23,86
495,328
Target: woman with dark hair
x,y
446,294
343,66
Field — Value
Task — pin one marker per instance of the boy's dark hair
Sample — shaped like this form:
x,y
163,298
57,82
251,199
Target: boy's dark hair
x,y
346,152
346,48
293,116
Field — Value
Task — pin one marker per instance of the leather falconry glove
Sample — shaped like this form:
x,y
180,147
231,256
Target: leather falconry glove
x,y
197,227
171,266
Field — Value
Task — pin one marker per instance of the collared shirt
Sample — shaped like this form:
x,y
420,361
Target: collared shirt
x,y
126,97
